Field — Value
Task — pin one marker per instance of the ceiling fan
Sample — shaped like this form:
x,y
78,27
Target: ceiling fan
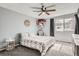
x,y
44,9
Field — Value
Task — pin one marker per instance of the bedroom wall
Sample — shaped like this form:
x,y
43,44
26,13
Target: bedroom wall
x,y
65,35
12,22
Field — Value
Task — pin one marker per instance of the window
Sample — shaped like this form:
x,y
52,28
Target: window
x,y
59,25
64,24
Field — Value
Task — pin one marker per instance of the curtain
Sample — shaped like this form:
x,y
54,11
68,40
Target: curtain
x,y
77,24
52,27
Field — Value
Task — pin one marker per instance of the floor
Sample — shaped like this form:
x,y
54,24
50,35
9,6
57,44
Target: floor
x,y
58,49
64,36
20,51
61,49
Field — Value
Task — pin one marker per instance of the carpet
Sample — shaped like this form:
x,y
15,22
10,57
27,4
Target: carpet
x,y
20,51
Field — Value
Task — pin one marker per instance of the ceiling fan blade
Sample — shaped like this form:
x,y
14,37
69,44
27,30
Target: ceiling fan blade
x,y
51,10
36,11
47,13
50,6
40,13
36,7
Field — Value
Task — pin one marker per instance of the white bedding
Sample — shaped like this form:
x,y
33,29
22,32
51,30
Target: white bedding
x,y
41,43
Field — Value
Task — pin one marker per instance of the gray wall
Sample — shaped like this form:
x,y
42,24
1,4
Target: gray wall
x,y
12,22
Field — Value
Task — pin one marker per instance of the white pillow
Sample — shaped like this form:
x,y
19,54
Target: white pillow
x,y
32,35
25,35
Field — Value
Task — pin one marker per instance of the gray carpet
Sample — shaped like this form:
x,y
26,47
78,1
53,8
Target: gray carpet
x,y
20,51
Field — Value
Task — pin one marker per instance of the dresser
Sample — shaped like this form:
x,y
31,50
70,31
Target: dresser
x,y
76,42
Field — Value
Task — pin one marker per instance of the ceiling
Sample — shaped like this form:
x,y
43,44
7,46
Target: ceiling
x,y
25,8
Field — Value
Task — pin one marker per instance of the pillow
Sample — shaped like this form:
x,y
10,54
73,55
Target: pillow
x,y
25,35
32,35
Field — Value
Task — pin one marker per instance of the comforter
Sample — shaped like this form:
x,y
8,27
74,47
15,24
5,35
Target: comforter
x,y
41,43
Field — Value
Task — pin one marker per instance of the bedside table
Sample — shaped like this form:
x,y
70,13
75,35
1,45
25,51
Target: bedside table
x,y
11,45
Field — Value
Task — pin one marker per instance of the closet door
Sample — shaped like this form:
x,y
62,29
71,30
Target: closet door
x,y
52,27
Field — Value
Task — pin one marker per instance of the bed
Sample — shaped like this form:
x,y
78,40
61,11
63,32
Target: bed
x,y
41,43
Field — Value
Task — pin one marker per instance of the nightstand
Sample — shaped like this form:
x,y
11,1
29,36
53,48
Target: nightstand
x,y
11,45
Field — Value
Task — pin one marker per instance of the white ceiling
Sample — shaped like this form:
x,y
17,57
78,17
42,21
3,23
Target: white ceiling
x,y
25,8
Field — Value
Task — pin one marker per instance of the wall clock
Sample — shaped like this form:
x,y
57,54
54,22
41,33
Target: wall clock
x,y
27,23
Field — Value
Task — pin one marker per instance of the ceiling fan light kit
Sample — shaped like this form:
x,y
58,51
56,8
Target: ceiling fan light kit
x,y
44,9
